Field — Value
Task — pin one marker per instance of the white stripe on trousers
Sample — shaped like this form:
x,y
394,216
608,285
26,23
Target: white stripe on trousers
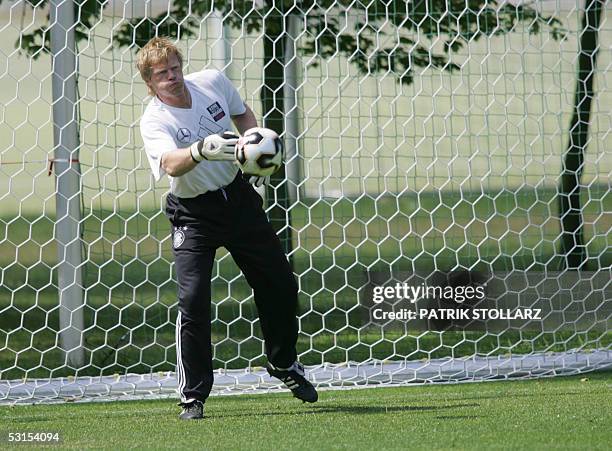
x,y
179,361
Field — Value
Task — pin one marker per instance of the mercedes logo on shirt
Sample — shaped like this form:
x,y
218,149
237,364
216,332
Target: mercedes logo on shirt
x,y
183,135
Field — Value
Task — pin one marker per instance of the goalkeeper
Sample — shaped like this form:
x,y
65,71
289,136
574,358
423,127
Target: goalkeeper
x,y
185,133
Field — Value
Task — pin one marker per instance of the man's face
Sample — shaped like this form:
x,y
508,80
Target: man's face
x,y
167,78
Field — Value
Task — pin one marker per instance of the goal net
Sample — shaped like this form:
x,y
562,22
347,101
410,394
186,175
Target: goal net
x,y
426,146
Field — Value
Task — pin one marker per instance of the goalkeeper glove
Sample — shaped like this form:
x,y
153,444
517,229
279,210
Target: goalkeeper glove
x,y
219,147
259,181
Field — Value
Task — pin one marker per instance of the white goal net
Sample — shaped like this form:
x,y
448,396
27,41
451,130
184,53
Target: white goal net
x,y
426,146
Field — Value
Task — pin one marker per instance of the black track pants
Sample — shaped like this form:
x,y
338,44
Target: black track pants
x,y
233,218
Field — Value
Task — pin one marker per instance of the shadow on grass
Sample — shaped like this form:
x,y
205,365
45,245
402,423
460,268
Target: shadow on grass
x,y
357,410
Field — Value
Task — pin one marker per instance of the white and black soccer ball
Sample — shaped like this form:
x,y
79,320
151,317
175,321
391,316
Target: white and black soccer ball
x,y
259,152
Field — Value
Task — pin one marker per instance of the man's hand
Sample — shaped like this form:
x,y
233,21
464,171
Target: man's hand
x,y
219,147
258,181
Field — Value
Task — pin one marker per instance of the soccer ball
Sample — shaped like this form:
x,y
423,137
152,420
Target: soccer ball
x,y
259,152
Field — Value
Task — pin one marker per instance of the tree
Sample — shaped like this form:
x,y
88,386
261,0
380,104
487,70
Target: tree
x,y
573,249
342,27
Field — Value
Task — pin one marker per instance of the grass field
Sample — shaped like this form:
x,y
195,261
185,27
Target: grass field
x,y
558,413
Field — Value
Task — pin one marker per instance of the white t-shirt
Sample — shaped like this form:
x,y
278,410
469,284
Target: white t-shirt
x,y
165,128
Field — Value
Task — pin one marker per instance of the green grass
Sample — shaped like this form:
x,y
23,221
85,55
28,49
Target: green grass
x,y
558,413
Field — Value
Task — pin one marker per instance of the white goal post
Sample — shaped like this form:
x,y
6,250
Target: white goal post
x,y
426,146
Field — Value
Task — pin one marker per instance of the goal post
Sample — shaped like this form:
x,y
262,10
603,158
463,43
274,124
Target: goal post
x,y
424,147
67,173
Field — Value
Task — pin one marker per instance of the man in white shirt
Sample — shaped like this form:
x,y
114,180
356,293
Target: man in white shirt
x,y
185,130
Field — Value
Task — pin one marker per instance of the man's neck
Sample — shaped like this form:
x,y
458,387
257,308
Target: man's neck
x,y
179,101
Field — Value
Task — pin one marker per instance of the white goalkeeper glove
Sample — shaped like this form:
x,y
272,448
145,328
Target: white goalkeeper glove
x,y
258,181
221,147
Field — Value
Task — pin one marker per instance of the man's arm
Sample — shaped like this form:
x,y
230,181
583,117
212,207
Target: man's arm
x,y
177,162
215,147
245,120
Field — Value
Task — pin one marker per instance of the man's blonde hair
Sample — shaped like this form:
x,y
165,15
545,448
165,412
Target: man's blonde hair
x,y
156,51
